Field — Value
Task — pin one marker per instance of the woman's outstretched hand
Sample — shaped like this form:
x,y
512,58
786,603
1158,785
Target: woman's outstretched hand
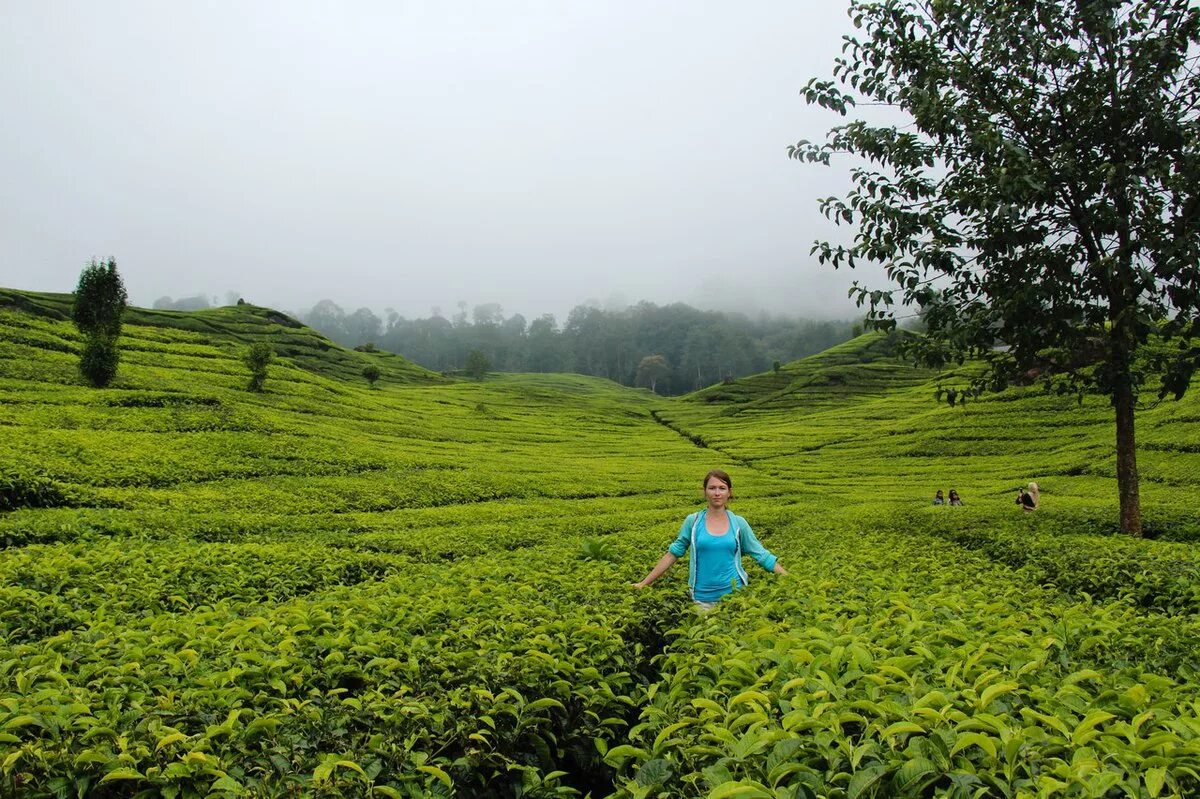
x,y
659,570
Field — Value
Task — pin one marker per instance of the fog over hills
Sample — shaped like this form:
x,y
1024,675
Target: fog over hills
x,y
418,156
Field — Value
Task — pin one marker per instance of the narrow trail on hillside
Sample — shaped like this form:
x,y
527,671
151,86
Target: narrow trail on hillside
x,y
700,442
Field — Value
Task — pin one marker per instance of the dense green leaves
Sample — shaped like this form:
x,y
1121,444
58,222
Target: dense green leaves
x,y
100,300
99,307
258,358
99,359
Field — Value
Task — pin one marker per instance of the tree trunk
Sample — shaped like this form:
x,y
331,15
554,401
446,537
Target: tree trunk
x,y
1127,474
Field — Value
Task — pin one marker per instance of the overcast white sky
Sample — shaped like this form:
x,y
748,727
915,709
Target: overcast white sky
x,y
418,154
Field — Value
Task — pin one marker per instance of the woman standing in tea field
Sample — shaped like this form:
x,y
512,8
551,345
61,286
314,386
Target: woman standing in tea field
x,y
718,538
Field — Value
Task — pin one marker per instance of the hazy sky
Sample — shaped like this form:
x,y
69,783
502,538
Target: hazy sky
x,y
419,154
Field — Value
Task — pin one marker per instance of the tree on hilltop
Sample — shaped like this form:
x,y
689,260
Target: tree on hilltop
x,y
99,307
1043,205
100,300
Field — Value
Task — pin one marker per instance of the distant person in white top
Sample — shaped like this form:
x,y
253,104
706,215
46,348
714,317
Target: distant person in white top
x,y
1030,498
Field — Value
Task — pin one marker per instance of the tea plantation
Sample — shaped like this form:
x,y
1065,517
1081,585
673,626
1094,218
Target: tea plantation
x,y
422,589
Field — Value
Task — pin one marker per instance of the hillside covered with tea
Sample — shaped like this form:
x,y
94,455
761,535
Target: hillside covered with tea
x,y
422,588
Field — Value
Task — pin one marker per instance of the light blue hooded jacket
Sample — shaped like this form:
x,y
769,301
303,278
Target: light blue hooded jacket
x,y
746,544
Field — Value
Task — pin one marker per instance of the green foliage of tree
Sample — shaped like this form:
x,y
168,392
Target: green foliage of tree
x,y
99,360
1043,209
371,373
363,326
99,306
546,348
100,300
477,364
650,370
258,357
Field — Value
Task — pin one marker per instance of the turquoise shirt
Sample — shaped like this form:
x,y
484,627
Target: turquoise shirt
x,y
715,566
714,554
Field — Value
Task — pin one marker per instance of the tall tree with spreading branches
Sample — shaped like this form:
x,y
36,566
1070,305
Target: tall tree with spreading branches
x,y
1040,204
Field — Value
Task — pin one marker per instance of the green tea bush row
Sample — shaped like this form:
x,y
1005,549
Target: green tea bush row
x,y
904,668
20,488
1151,574
438,532
468,679
71,587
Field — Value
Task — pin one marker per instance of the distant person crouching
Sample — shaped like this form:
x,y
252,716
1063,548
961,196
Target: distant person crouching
x,y
954,498
938,499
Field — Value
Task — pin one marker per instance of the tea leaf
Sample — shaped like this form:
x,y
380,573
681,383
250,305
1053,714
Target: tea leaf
x,y
437,772
122,774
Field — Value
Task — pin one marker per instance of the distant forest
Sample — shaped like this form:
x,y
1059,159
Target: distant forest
x,y
694,348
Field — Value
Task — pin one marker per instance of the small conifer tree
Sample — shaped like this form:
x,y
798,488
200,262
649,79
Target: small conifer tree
x,y
99,359
257,358
100,301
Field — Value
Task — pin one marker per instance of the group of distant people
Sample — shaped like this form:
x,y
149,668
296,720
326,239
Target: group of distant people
x,y
1027,498
953,499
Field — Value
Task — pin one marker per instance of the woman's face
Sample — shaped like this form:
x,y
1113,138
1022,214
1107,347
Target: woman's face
x,y
716,492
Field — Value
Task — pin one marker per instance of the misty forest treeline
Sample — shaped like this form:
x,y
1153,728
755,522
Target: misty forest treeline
x,y
197,302
699,347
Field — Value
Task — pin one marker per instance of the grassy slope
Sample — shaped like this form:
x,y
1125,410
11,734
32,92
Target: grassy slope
x,y
872,431
220,333
445,518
